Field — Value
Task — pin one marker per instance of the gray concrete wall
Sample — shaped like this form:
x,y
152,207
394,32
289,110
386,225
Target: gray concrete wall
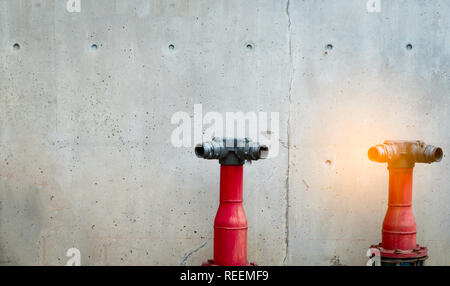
x,y
85,153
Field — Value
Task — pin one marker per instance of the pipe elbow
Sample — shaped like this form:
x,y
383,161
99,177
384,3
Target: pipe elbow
x,y
430,154
263,152
200,151
378,153
206,150
257,152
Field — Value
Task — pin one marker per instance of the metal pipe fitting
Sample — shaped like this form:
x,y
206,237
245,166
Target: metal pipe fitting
x,y
231,151
404,154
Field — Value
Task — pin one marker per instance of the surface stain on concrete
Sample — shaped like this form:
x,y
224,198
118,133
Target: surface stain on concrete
x,y
336,261
306,185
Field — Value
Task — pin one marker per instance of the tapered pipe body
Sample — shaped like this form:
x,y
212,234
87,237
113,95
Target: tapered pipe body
x,y
230,224
399,226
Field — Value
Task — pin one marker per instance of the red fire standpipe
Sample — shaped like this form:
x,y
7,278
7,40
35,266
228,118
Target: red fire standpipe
x,y
230,224
398,246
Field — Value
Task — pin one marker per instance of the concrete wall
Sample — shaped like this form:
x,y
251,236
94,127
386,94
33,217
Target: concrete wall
x,y
85,153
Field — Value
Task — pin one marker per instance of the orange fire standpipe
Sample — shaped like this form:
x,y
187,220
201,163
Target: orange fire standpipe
x,y
398,246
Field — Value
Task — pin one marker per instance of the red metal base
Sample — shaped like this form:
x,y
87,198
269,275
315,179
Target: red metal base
x,y
419,252
211,263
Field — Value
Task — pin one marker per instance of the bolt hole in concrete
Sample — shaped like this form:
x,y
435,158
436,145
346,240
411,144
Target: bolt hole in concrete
x,y
329,47
409,47
16,46
94,47
328,162
171,47
249,47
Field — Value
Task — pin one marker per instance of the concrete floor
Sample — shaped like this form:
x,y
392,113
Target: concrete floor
x,y
85,153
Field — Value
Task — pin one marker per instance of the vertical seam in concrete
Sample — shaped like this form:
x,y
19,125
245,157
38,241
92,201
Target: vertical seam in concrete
x,y
288,3
54,85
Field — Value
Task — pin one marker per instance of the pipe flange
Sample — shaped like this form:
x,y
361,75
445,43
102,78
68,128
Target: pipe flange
x,y
210,262
419,252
